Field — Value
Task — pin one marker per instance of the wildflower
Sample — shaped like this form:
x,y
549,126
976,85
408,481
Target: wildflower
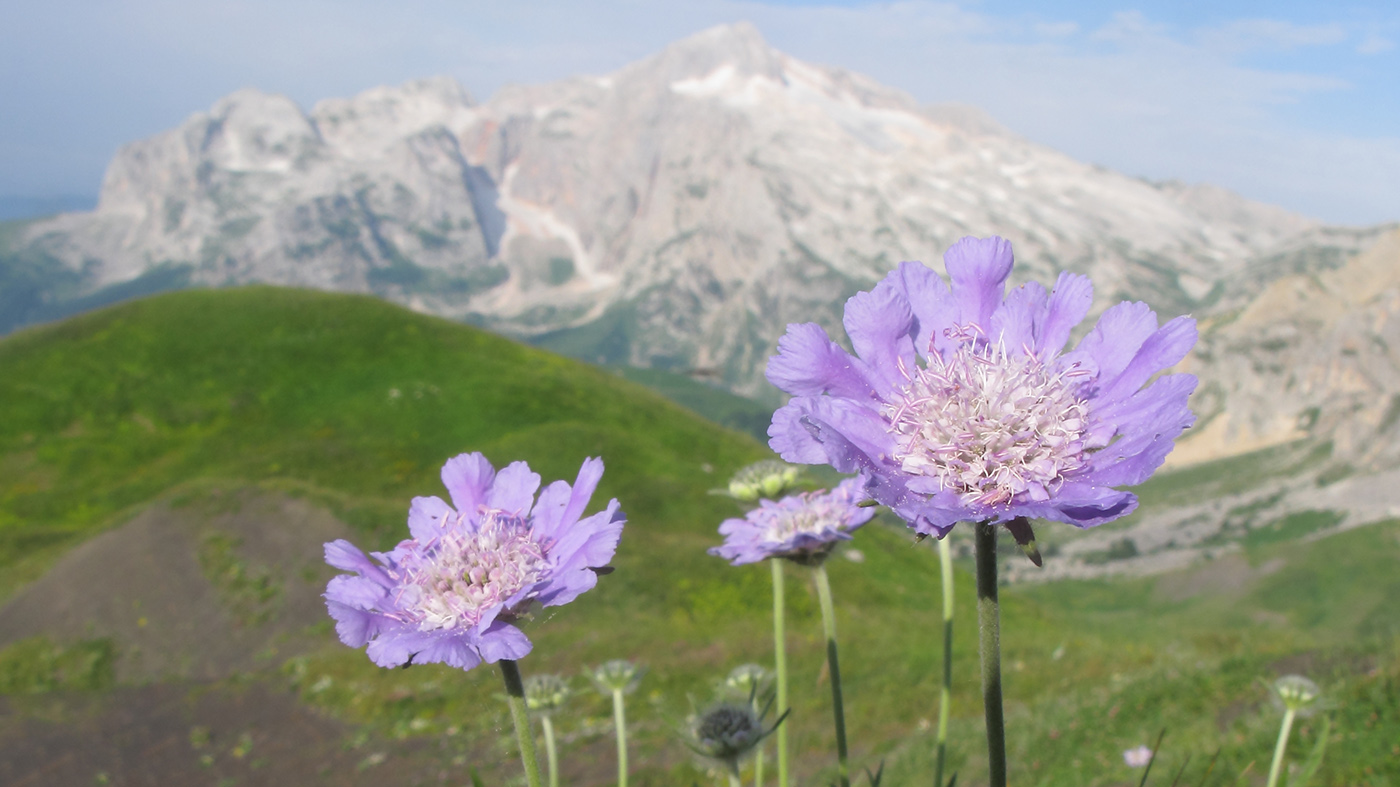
x,y
803,528
1137,757
960,405
768,478
454,591
728,732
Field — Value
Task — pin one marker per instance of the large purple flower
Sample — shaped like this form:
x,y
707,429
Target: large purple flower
x,y
961,406
453,591
804,527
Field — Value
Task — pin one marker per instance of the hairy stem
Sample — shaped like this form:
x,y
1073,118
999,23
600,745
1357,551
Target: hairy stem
x,y
989,646
945,695
515,694
834,667
780,666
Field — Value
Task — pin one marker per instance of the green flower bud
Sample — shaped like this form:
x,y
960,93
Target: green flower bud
x,y
616,675
769,478
546,693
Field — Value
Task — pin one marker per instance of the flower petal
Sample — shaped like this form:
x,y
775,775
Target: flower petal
x,y
1070,302
467,477
503,641
809,363
978,268
428,518
1163,349
514,489
879,324
452,650
1115,339
931,302
346,556
1015,323
357,592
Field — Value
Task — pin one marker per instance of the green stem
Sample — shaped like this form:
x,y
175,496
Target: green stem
x,y
758,755
734,780
1280,747
515,695
834,665
945,696
780,666
551,753
620,721
989,645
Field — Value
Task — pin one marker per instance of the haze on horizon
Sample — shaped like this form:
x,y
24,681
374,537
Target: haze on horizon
x,y
1287,103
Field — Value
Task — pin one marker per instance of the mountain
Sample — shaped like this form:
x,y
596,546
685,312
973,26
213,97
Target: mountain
x,y
674,214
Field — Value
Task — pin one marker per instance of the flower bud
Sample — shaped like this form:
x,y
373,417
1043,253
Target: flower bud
x,y
769,478
616,675
546,693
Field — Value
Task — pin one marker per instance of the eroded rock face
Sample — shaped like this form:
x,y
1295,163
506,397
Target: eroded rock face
x,y
676,213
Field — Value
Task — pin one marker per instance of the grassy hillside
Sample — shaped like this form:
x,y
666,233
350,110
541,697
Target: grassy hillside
x,y
351,404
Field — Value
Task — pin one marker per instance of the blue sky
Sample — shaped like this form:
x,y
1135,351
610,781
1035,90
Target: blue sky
x,y
1293,103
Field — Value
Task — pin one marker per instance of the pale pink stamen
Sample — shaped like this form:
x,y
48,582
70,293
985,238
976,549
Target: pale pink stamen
x,y
462,575
989,425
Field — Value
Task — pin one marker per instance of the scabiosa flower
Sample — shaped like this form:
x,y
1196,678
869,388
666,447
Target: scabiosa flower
x,y
960,404
804,527
453,592
728,732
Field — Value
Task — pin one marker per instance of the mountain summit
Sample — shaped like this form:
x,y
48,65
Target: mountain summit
x,y
676,213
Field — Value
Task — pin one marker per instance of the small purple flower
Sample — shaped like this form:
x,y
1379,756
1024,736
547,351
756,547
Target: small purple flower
x,y
452,593
804,527
960,405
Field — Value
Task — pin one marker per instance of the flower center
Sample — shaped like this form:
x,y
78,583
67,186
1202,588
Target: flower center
x,y
461,575
814,517
988,425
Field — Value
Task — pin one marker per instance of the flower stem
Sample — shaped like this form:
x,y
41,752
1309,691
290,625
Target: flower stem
x,y
780,666
945,696
989,645
834,666
757,755
1281,746
551,753
734,780
620,722
515,695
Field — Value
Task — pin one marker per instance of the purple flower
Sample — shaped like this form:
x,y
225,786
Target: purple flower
x,y
452,593
961,406
804,527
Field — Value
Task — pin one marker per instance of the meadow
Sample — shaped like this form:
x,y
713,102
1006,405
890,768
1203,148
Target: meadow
x,y
345,404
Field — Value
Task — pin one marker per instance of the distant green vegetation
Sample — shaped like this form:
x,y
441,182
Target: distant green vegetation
x,y
355,403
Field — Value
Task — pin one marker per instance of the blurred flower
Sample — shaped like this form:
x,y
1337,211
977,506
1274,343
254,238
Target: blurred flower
x,y
1138,757
728,732
1297,694
960,406
749,679
768,478
616,675
803,528
453,592
546,693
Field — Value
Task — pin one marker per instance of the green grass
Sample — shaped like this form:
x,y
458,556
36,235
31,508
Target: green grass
x,y
355,403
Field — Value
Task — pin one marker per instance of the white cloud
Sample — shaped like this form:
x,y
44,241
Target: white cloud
x,y
1247,35
1373,44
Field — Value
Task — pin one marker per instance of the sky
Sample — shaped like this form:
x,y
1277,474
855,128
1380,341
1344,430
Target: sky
x,y
1290,102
